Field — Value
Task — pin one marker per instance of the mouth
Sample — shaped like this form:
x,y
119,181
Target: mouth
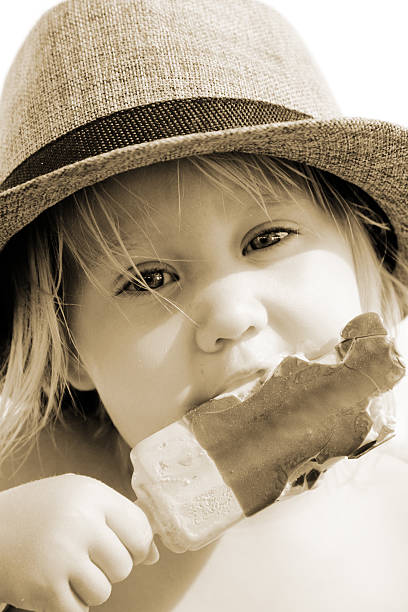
x,y
246,383
243,385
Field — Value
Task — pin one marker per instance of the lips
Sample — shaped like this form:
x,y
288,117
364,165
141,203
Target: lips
x,y
243,383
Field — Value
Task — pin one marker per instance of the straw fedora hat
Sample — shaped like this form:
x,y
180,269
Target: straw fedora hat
x,y
103,86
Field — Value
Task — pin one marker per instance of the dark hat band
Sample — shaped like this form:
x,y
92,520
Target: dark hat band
x,y
147,123
165,119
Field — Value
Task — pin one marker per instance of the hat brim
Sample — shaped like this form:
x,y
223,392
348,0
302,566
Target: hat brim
x,y
368,153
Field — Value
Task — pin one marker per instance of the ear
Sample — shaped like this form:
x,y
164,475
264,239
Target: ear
x,y
78,375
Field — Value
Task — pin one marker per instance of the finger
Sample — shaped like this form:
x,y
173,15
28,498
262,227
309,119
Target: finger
x,y
111,556
132,527
63,599
153,555
90,584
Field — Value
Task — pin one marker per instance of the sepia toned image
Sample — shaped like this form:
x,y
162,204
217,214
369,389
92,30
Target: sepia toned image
x,y
203,332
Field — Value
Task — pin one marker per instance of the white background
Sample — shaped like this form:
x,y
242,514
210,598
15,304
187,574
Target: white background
x,y
360,46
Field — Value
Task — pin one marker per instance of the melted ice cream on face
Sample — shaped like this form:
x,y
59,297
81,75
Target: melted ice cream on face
x,y
305,412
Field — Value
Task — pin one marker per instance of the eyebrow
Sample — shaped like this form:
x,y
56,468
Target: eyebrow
x,y
136,240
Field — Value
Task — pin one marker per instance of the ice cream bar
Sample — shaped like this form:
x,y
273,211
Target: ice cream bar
x,y
228,459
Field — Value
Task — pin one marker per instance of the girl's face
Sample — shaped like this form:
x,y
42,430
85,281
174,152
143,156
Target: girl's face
x,y
237,288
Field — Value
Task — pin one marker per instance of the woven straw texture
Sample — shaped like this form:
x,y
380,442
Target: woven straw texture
x,y
87,64
87,59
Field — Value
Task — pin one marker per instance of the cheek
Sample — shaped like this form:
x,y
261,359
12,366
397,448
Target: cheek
x,y
320,298
142,377
330,283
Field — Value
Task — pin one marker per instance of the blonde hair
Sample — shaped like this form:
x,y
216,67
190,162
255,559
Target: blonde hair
x,y
35,334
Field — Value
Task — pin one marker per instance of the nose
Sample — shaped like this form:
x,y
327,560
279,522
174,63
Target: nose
x,y
228,310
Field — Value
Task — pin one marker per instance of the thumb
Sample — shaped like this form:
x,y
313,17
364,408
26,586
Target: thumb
x,y
153,555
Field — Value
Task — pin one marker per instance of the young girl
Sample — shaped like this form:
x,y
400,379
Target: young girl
x,y
181,205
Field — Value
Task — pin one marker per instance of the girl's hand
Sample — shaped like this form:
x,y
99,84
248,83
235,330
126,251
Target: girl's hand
x,y
65,540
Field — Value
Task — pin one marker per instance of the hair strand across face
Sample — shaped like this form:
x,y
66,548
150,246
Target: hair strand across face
x,y
41,263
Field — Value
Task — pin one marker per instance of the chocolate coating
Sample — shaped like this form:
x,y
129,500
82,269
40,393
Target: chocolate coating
x,y
305,411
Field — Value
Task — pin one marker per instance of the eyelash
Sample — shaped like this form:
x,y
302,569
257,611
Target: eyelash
x,y
135,286
273,230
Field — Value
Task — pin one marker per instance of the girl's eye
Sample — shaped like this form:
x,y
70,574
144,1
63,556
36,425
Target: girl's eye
x,y
268,238
151,279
